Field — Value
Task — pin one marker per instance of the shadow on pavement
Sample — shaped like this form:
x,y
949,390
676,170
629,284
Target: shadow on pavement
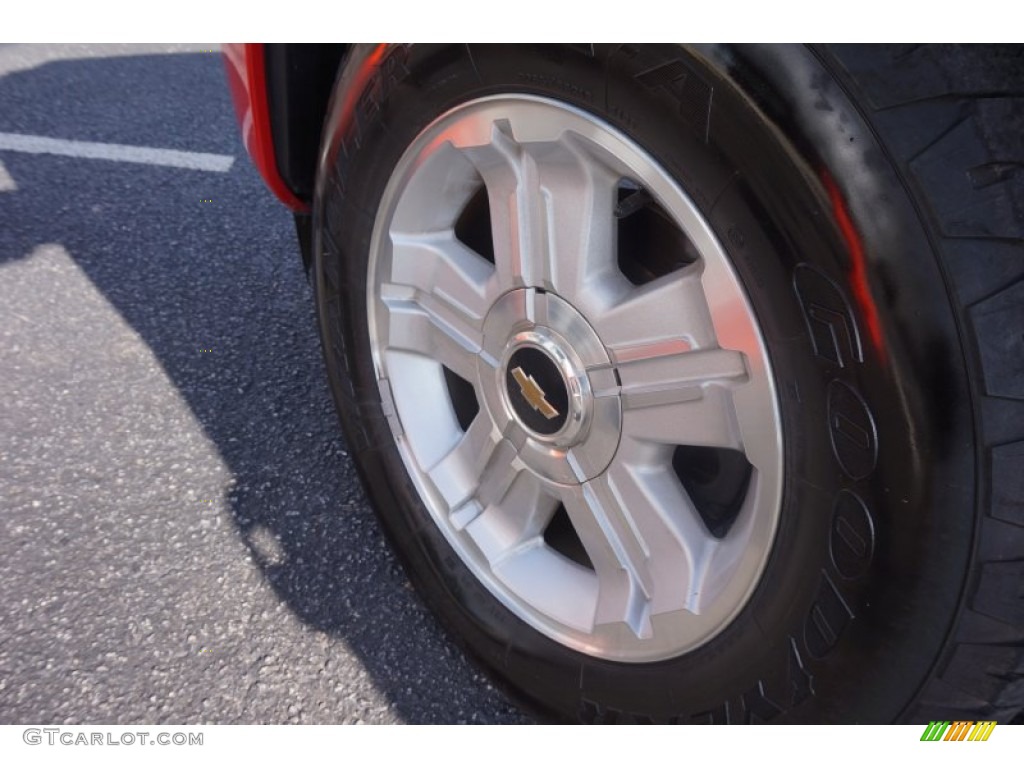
x,y
227,276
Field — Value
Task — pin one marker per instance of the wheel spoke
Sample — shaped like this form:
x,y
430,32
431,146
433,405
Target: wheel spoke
x,y
579,195
504,530
643,537
761,441
476,473
442,317
619,558
682,398
440,262
510,536
551,212
668,312
420,325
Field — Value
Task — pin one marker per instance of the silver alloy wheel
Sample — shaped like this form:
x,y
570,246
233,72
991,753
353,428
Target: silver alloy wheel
x,y
586,383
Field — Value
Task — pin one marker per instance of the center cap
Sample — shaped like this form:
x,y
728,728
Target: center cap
x,y
549,386
537,391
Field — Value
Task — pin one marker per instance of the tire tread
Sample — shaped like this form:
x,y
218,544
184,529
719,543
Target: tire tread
x,y
952,118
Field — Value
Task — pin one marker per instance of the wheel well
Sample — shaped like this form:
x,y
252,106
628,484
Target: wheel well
x,y
300,78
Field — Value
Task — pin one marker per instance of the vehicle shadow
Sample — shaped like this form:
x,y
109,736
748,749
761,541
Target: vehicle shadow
x,y
226,275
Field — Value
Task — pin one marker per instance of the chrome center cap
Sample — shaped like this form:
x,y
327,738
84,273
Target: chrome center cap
x,y
546,388
549,386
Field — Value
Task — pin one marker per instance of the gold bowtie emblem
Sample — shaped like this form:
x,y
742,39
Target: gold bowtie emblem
x,y
533,393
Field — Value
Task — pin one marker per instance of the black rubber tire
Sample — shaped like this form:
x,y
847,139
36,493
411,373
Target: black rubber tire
x,y
871,201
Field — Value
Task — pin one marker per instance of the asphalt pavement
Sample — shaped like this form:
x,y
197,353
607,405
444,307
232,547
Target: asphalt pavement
x,y
183,538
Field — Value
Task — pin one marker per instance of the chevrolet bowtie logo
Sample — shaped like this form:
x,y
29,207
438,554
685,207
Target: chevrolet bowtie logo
x,y
533,393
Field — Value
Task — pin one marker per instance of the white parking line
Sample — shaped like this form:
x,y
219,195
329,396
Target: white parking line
x,y
173,158
6,182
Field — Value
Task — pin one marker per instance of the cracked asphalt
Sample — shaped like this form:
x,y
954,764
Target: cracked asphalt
x,y
182,535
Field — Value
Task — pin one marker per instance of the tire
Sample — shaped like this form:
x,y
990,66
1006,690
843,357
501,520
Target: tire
x,y
769,296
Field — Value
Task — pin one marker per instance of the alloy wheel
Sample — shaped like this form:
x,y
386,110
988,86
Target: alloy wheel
x,y
574,378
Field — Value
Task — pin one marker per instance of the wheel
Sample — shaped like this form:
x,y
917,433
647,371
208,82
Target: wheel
x,y
665,373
